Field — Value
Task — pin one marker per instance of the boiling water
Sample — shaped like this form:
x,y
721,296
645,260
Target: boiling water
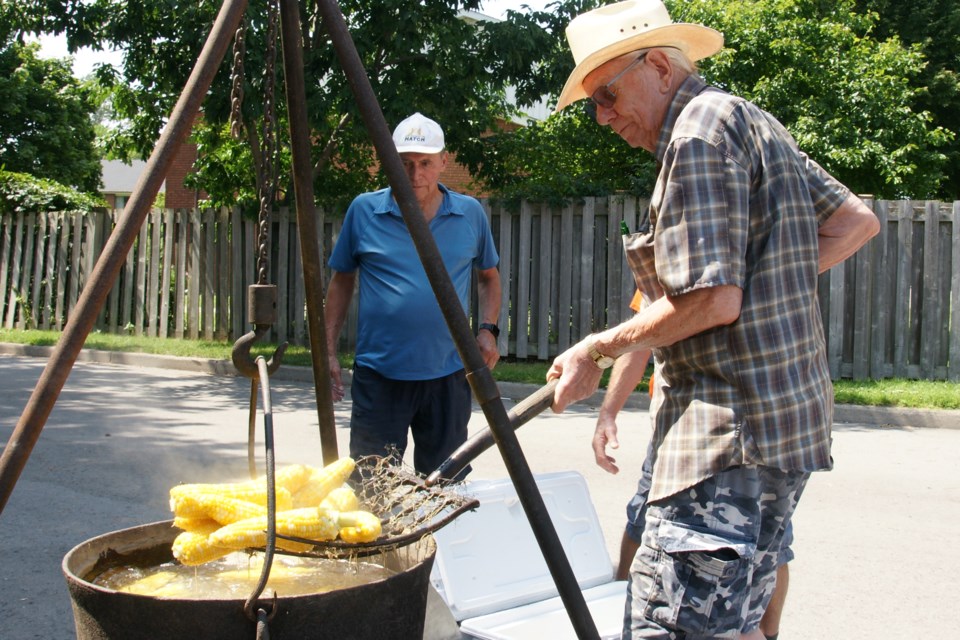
x,y
236,575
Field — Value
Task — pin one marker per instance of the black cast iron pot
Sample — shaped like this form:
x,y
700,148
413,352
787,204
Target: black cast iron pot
x,y
390,608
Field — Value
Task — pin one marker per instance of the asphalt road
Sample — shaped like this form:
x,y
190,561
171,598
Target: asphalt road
x,y
875,537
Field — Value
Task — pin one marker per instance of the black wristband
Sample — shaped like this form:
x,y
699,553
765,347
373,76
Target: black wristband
x,y
492,328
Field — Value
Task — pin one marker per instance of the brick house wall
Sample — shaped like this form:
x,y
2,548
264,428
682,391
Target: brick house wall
x,y
179,196
457,177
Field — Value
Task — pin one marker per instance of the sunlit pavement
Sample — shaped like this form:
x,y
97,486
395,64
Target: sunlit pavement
x,y
875,537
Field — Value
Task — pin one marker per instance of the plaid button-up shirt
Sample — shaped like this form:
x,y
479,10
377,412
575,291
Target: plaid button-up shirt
x,y
736,203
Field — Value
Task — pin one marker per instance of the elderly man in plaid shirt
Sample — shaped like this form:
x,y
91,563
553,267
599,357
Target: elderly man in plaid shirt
x,y
741,223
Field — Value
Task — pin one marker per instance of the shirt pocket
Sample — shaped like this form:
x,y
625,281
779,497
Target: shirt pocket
x,y
638,250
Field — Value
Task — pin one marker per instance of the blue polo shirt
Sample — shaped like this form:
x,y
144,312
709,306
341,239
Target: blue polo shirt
x,y
401,332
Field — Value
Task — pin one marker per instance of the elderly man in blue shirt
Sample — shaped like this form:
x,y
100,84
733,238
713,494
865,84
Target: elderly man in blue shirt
x,y
407,373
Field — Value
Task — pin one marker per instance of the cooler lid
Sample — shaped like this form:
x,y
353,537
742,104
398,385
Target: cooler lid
x,y
488,560
549,618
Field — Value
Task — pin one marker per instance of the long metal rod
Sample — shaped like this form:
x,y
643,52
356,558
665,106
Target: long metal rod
x,y
27,432
481,380
310,253
524,411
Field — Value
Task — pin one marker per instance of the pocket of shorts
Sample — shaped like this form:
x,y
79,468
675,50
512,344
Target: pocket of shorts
x,y
704,571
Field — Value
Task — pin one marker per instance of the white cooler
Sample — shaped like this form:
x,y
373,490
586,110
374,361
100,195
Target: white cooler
x,y
490,570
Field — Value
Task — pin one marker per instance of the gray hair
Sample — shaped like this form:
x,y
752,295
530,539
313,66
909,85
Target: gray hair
x,y
679,59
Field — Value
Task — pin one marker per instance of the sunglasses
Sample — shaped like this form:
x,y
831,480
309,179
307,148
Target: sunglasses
x,y
604,95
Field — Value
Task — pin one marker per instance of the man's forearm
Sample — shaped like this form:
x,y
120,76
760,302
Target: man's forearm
x,y
488,295
843,233
339,294
626,374
670,319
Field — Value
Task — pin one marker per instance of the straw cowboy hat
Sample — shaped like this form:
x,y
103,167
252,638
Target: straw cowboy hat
x,y
610,31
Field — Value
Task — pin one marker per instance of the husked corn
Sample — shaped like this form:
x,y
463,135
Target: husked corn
x,y
215,507
194,524
323,481
341,499
194,547
358,526
310,523
251,491
223,508
293,477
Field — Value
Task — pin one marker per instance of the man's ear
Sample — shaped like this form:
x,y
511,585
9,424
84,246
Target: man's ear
x,y
663,67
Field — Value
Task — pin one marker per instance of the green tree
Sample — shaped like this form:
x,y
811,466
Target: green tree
x,y
843,93
567,155
934,26
46,125
21,193
419,57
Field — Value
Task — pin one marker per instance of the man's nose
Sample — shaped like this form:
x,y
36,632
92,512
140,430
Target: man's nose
x,y
605,115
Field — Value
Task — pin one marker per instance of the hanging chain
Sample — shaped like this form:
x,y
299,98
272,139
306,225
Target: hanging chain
x,y
268,143
236,81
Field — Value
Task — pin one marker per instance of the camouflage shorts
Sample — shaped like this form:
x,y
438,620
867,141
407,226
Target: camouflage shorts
x,y
707,562
637,511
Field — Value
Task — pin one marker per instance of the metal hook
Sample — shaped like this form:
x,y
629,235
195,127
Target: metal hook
x,y
242,359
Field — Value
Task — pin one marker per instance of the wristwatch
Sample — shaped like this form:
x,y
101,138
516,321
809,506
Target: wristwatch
x,y
602,361
492,328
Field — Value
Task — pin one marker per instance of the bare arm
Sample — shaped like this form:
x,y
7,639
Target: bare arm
x,y
626,374
488,294
339,294
845,231
666,321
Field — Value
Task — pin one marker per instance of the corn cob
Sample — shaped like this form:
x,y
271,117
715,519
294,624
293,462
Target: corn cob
x,y
341,499
194,524
290,477
251,491
358,526
293,477
194,547
323,481
223,508
310,523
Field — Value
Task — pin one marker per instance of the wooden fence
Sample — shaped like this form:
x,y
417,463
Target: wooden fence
x,y
891,311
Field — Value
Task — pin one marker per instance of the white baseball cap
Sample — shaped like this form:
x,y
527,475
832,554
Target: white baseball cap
x,y
418,134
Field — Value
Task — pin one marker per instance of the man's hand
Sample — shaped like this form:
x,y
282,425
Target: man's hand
x,y
488,349
606,435
578,374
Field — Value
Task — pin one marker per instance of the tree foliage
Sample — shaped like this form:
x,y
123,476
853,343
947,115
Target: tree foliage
x,y
419,57
934,27
23,193
849,91
845,95
46,126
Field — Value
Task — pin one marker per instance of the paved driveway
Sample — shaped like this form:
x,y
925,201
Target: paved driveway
x,y
875,537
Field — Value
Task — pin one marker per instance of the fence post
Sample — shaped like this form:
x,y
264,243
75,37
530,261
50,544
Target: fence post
x,y
953,370
505,226
862,294
26,272
880,310
49,269
169,232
